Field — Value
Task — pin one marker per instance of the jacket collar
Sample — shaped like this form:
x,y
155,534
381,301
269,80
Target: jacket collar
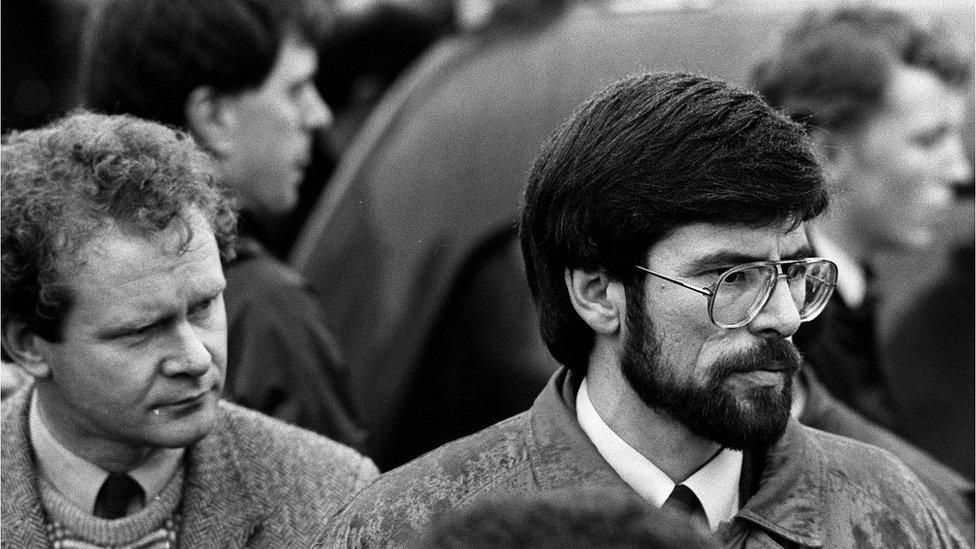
x,y
23,515
789,500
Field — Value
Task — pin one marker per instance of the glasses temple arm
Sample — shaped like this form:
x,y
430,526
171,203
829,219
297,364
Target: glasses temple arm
x,y
703,291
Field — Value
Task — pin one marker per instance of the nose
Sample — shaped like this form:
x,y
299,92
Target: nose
x,y
316,113
780,313
956,164
190,356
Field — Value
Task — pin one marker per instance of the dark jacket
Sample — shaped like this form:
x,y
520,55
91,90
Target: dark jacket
x,y
282,359
252,482
810,489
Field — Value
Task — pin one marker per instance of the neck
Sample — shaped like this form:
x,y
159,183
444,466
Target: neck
x,y
664,441
110,455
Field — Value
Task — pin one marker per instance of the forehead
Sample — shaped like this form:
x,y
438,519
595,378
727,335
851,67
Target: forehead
x,y
297,60
918,97
119,276
691,244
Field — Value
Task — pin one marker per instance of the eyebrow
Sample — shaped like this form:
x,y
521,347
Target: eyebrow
x,y
726,258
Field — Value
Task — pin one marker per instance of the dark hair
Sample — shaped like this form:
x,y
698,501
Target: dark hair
x,y
831,69
67,181
564,518
649,154
145,57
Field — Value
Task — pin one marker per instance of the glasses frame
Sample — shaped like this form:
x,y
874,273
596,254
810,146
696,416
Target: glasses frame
x,y
709,292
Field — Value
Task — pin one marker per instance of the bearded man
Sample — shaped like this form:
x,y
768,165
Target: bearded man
x,y
664,238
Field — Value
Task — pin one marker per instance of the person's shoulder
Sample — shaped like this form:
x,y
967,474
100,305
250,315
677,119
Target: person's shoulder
x,y
392,508
857,460
872,487
271,447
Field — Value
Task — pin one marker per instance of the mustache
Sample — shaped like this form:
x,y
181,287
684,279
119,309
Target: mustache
x,y
778,355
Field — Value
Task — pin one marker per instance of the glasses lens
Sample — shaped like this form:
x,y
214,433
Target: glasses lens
x,y
811,284
740,292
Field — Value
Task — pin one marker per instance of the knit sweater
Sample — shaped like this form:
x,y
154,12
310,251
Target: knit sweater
x,y
155,525
252,482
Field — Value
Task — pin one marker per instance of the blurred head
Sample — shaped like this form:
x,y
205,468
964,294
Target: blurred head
x,y
112,236
237,73
567,518
884,96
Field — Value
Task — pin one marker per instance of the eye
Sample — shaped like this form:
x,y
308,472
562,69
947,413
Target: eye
x,y
202,306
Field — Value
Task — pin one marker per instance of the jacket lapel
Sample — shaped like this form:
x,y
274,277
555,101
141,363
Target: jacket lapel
x,y
217,505
791,500
560,453
22,515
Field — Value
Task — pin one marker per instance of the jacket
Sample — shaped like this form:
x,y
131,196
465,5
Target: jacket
x,y
252,482
809,489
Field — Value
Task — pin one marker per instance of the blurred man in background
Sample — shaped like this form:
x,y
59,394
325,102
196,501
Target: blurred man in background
x,y
113,233
883,96
239,75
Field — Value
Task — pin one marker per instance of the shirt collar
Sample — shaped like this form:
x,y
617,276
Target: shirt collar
x,y
79,480
851,279
716,483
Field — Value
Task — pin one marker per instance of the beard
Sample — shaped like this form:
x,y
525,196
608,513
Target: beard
x,y
750,421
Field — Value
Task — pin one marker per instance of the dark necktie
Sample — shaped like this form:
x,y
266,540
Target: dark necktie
x,y
682,500
116,495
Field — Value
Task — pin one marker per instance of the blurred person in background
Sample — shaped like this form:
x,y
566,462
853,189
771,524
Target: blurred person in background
x,y
239,75
930,353
664,243
883,96
113,233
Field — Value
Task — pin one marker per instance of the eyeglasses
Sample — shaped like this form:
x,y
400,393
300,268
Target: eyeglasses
x,y
742,291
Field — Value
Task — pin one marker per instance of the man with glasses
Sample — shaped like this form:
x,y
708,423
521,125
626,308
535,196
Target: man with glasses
x,y
663,235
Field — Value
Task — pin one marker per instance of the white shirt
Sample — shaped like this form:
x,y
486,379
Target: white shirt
x,y
851,280
716,484
79,480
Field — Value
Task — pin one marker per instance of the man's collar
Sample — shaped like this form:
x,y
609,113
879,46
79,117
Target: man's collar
x,y
784,490
79,480
716,483
851,279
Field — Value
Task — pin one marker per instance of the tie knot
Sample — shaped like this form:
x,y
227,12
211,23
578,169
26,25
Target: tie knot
x,y
118,494
682,500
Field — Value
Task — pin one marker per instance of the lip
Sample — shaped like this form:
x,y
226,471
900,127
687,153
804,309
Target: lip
x,y
187,401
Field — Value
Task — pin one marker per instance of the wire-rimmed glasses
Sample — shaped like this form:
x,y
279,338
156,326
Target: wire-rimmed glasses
x,y
741,292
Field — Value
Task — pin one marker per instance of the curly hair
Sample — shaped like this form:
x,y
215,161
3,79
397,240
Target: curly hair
x,y
649,154
831,69
145,57
64,183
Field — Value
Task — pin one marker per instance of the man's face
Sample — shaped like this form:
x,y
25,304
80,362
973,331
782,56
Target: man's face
x,y
904,160
143,353
271,140
729,386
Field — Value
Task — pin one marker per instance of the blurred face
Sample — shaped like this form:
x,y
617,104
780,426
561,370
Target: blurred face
x,y
271,139
729,386
905,159
143,353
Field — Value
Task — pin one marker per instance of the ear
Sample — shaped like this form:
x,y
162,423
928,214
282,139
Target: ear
x,y
597,299
211,117
23,346
835,153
